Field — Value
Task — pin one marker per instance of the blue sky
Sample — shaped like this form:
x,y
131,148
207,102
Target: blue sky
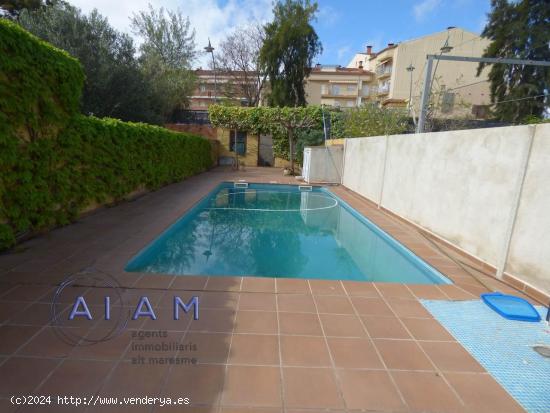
x,y
347,26
344,26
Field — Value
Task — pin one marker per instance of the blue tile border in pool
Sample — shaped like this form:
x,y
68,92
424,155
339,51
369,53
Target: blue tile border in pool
x,y
503,347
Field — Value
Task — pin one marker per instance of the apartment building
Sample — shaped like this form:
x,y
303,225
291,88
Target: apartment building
x,y
338,86
218,86
399,73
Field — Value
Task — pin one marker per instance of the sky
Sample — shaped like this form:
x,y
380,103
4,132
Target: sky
x,y
344,26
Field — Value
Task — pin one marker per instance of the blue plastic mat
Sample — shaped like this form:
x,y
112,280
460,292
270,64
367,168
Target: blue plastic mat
x,y
504,347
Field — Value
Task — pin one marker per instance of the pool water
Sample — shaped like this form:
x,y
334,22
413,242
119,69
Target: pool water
x,y
280,231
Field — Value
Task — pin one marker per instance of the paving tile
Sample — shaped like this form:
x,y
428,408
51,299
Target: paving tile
x,y
402,355
451,357
259,322
394,290
252,386
300,323
296,303
426,392
165,319
427,329
154,281
203,384
370,390
29,293
360,288
214,321
310,388
292,285
342,325
456,293
223,284
481,393
257,301
210,347
251,410
304,351
110,349
47,343
254,349
326,287
15,336
218,299
385,327
188,282
333,304
371,306
408,308
68,378
428,292
354,353
134,380
258,284
22,375
8,309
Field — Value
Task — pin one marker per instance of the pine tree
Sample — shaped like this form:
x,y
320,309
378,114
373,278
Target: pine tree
x,y
288,50
519,30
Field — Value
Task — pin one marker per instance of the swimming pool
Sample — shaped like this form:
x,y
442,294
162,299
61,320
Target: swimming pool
x,y
284,231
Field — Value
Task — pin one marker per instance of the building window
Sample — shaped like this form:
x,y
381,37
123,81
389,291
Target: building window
x,y
351,88
238,141
350,103
335,90
203,88
324,89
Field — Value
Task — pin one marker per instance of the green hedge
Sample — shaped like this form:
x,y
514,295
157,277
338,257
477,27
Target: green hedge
x,y
40,85
54,162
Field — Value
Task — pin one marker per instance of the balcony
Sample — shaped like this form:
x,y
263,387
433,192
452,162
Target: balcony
x,y
383,71
338,92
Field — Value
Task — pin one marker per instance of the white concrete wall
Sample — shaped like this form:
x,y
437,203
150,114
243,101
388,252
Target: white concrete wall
x,y
530,247
462,186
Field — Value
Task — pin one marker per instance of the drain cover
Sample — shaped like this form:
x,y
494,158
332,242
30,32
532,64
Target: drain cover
x,y
542,350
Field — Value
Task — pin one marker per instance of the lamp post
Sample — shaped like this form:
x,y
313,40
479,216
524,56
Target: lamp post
x,y
210,49
410,69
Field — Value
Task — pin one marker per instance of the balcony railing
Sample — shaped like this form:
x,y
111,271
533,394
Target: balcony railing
x,y
383,70
196,117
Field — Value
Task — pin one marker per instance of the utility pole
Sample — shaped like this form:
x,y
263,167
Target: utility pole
x,y
428,76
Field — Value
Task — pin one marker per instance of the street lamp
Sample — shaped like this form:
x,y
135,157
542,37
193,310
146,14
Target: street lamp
x,y
410,69
210,49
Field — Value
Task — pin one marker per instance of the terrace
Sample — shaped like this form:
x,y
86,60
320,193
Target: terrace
x,y
261,344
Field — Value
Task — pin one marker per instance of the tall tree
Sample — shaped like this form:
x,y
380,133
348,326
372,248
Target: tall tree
x,y
239,59
114,85
519,30
13,8
167,52
287,54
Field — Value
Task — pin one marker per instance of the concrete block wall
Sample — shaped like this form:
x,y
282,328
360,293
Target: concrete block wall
x,y
486,191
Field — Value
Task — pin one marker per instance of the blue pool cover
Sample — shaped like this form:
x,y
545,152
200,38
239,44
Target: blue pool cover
x,y
503,347
511,307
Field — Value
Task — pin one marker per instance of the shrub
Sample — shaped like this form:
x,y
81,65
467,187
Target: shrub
x,y
371,120
54,162
40,85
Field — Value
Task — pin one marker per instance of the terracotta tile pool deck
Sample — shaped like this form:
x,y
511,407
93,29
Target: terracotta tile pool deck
x,y
261,344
